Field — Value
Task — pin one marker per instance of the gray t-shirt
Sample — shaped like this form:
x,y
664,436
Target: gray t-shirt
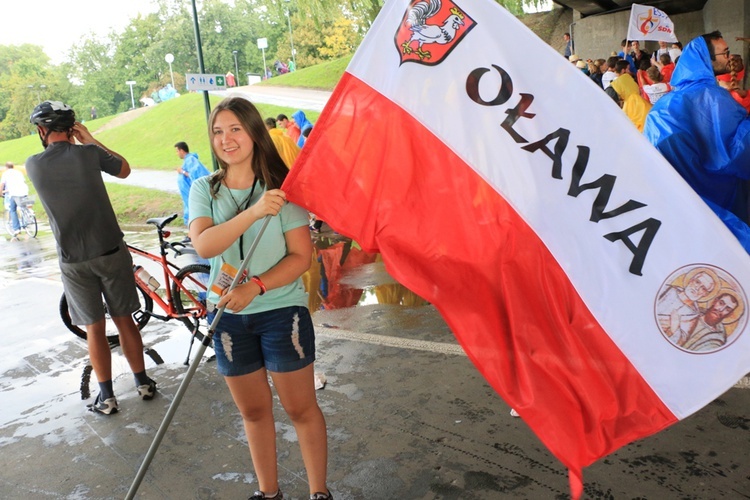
x,y
68,180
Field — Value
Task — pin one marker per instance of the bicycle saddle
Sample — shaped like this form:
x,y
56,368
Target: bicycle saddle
x,y
160,222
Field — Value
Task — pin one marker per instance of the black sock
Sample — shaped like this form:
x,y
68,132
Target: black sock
x,y
105,390
141,378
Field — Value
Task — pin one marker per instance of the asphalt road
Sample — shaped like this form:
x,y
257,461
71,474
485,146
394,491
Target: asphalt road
x,y
306,99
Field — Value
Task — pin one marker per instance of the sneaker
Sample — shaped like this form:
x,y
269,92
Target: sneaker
x,y
514,413
321,496
147,391
259,495
105,407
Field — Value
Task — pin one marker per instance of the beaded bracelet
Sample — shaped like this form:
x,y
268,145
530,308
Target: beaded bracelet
x,y
258,282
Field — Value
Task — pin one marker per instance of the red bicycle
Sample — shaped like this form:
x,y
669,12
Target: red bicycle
x,y
183,298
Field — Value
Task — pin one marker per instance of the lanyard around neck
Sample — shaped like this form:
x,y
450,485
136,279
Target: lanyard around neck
x,y
240,209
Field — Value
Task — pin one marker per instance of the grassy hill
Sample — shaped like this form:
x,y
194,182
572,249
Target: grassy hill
x,y
323,76
148,139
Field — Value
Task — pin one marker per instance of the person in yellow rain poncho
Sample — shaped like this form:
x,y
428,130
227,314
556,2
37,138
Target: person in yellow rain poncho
x,y
286,147
635,106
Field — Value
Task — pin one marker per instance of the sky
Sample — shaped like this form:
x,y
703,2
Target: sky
x,y
34,21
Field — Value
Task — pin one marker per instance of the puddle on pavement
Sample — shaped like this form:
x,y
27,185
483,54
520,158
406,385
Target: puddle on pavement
x,y
343,275
24,257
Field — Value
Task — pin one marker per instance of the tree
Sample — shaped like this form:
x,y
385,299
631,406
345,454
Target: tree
x,y
134,60
308,38
27,78
91,66
339,39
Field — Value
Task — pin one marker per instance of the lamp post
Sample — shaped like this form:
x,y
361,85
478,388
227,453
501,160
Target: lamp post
x,y
170,59
263,45
291,39
132,100
39,87
236,68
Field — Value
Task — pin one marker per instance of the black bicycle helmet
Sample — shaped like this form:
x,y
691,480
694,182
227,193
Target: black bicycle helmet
x,y
53,115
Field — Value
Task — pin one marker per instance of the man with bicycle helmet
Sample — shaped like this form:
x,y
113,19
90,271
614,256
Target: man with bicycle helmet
x,y
94,260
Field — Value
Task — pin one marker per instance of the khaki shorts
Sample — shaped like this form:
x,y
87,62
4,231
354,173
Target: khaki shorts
x,y
108,276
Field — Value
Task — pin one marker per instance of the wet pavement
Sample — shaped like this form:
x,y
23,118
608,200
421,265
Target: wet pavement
x,y
408,416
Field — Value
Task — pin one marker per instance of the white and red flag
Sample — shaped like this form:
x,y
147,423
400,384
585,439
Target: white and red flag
x,y
593,289
650,23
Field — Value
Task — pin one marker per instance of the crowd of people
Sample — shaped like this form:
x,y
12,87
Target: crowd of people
x,y
644,78
634,78
692,106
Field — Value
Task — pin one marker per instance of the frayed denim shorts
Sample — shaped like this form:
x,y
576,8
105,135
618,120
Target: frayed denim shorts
x,y
282,340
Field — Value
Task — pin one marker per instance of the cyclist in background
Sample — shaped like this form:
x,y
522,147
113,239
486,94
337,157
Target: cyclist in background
x,y
92,254
13,186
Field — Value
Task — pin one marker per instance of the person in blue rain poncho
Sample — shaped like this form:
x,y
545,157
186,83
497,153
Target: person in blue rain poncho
x,y
303,123
190,170
704,133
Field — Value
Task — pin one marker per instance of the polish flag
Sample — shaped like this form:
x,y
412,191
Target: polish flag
x,y
593,289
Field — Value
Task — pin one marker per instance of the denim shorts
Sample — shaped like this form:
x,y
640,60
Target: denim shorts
x,y
282,340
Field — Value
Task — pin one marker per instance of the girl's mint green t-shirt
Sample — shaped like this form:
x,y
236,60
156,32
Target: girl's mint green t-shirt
x,y
271,247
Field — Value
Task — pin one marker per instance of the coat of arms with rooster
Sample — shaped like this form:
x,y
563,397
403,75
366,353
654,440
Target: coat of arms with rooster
x,y
429,27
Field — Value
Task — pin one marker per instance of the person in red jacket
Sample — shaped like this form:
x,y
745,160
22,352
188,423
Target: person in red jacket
x,y
292,129
731,81
666,67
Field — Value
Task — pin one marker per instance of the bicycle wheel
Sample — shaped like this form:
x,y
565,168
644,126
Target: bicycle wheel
x,y
194,278
141,317
29,223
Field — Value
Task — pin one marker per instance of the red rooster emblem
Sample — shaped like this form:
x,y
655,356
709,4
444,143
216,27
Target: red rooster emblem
x,y
430,22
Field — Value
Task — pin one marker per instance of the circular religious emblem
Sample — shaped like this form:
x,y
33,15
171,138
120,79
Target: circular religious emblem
x,y
701,309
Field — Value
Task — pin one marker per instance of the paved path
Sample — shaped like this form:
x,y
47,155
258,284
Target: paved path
x,y
164,180
293,97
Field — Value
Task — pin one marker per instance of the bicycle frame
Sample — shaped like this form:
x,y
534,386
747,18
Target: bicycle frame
x,y
197,311
25,214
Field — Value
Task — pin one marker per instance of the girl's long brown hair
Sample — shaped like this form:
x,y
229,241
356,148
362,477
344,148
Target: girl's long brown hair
x,y
266,163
